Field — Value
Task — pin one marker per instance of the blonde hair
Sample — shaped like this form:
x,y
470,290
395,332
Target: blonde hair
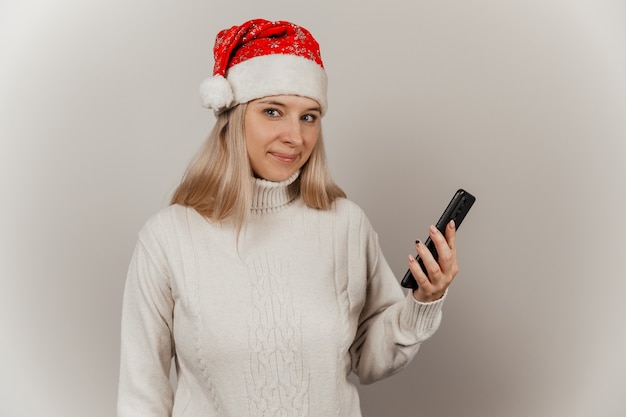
x,y
217,182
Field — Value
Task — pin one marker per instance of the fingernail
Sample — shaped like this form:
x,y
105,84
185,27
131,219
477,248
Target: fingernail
x,y
417,242
411,258
452,224
434,229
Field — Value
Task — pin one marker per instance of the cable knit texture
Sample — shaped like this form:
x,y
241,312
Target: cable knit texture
x,y
268,323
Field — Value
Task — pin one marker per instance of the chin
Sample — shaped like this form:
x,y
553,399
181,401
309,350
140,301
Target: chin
x,y
277,176
280,178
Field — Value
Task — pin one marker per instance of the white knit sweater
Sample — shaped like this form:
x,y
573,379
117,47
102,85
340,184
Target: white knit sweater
x,y
270,325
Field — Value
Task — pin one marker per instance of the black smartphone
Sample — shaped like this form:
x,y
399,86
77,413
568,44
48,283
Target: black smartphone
x,y
457,209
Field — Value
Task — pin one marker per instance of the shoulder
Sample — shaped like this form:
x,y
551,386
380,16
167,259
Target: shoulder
x,y
349,211
169,221
344,206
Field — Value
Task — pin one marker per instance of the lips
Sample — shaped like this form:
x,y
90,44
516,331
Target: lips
x,y
286,158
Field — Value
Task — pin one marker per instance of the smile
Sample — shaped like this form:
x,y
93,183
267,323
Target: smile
x,y
288,159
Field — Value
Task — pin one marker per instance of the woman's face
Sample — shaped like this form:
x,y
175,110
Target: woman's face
x,y
281,132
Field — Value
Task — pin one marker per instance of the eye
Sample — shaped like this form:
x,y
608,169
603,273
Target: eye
x,y
310,118
272,112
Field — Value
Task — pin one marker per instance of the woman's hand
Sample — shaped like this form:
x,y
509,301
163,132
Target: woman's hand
x,y
440,273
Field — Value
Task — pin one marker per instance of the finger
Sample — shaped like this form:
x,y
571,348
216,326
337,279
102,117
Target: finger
x,y
422,279
426,291
441,244
451,235
446,255
451,264
433,270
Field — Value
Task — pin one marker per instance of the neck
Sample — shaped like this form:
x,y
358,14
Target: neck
x,y
271,196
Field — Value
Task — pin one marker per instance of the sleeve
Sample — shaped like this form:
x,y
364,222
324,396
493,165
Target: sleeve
x,y
146,334
391,325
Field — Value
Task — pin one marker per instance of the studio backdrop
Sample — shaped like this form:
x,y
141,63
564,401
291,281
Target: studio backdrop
x,y
522,103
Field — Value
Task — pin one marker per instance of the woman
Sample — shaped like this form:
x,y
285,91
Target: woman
x,y
263,283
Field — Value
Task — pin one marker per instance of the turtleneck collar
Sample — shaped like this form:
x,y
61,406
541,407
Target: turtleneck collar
x,y
268,196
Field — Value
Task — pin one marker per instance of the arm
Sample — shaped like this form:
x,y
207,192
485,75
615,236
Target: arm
x,y
392,326
146,336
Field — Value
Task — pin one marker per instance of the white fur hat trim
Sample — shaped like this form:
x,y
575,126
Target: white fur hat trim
x,y
264,76
272,75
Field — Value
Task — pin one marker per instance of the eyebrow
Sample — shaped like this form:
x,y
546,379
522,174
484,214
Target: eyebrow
x,y
278,103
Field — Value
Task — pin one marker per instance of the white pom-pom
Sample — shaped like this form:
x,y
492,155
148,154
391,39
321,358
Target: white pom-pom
x,y
216,93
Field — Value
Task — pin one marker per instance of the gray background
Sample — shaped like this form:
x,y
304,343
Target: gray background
x,y
520,102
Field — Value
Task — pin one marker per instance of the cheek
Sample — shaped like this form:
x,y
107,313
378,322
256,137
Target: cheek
x,y
312,141
254,154
311,135
254,141
309,152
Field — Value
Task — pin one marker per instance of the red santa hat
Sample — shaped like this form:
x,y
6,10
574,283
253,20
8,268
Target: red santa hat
x,y
262,58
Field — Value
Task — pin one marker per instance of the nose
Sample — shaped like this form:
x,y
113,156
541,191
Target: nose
x,y
292,132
